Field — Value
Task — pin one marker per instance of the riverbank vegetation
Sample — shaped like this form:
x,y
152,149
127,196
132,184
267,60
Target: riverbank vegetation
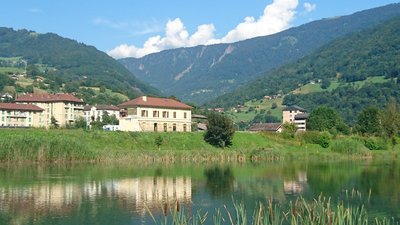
x,y
65,145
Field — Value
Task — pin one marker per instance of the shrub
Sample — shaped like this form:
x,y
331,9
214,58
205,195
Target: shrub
x,y
373,143
313,137
348,146
220,130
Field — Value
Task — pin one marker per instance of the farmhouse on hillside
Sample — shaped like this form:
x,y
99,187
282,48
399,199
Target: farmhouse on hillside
x,y
152,114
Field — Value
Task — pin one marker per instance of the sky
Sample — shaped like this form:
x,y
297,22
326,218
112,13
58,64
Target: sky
x,y
131,28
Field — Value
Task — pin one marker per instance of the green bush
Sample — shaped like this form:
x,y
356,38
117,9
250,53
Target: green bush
x,y
313,137
348,146
373,143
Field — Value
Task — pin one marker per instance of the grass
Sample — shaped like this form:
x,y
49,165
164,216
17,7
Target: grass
x,y
321,211
11,70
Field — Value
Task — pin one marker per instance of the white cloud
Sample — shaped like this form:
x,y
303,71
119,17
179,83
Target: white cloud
x,y
309,7
276,17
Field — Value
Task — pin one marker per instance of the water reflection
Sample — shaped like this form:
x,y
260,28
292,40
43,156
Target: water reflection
x,y
219,180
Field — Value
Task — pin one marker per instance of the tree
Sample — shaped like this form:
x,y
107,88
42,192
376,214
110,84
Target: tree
x,y
274,105
390,120
220,130
289,130
368,121
32,70
80,123
325,83
54,123
325,118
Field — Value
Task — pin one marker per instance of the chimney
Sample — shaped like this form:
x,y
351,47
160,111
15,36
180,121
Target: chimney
x,y
144,98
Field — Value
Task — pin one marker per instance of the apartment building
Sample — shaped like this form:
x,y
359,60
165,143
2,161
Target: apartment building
x,y
92,112
65,108
20,115
296,115
151,114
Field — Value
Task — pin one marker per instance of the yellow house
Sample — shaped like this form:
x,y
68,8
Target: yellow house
x,y
296,115
18,115
151,114
65,108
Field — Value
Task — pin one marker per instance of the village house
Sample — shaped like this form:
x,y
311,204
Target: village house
x,y
21,115
267,127
152,114
92,112
65,108
296,115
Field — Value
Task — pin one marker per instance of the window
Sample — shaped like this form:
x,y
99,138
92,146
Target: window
x,y
30,119
184,128
2,119
155,114
184,115
155,127
174,127
165,127
174,115
145,113
165,114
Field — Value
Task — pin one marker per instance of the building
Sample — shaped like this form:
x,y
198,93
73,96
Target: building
x,y
151,114
92,112
296,115
65,108
21,115
266,127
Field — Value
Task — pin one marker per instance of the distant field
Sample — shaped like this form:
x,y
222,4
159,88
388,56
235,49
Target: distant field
x,y
246,115
11,70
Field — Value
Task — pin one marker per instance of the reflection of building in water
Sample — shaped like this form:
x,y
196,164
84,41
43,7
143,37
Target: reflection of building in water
x,y
136,194
296,186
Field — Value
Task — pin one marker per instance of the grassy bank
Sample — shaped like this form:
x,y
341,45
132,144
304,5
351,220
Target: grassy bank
x,y
18,145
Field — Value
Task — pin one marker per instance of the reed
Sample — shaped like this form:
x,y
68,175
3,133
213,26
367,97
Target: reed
x,y
320,211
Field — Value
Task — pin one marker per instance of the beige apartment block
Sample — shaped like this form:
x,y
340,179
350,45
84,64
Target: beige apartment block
x,y
151,114
296,115
65,108
19,115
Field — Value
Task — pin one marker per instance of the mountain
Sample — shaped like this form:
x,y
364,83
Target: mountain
x,y
63,61
202,73
371,53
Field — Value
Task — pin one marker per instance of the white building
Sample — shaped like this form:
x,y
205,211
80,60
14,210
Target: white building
x,y
151,114
296,115
92,112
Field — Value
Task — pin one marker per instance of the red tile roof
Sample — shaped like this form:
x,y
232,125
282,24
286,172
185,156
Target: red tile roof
x,y
21,107
61,97
155,102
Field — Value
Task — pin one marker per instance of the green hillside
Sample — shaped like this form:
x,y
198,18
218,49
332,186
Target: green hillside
x,y
355,70
202,73
61,64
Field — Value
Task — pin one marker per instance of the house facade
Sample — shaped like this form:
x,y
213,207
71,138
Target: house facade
x,y
92,112
151,114
21,115
296,115
65,108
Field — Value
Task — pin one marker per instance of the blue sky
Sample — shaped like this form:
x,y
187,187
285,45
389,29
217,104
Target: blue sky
x,y
136,28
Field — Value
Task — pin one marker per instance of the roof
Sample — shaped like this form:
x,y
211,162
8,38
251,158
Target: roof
x,y
294,108
59,97
201,126
21,107
101,107
196,116
155,102
301,116
265,127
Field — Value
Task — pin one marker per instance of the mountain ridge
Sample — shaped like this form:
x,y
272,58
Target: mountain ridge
x,y
209,71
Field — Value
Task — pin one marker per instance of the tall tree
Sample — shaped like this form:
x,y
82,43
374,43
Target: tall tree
x,y
325,118
368,121
220,130
390,120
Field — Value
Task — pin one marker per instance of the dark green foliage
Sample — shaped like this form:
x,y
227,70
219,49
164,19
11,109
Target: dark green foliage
x,y
373,143
5,81
158,141
68,61
289,130
80,123
325,83
325,118
220,130
265,118
368,121
372,52
274,105
390,120
224,67
54,123
314,137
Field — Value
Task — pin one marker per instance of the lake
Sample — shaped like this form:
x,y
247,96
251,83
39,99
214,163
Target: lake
x,y
127,194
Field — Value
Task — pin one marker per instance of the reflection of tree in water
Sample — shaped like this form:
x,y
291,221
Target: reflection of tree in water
x,y
219,180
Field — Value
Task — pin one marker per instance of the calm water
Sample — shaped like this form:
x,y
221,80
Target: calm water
x,y
124,194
